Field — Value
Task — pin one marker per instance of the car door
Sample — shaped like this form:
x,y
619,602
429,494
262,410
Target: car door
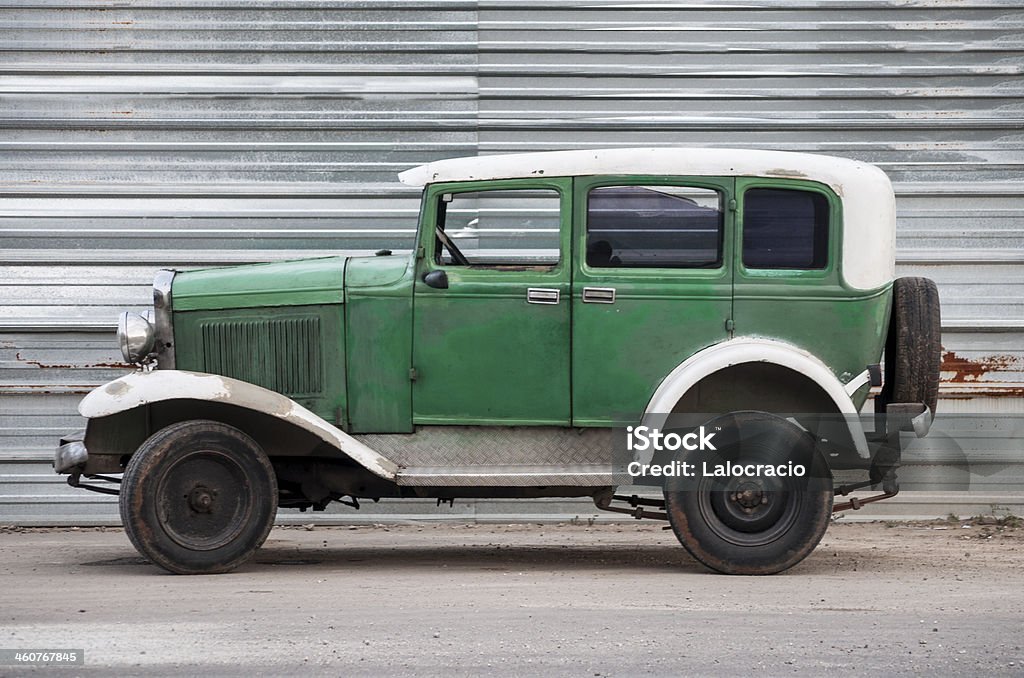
x,y
652,286
491,309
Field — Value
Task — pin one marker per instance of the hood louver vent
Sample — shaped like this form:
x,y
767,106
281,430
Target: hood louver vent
x,y
281,355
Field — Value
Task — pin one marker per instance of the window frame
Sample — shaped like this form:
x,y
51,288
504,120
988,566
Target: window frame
x,y
581,196
427,241
833,248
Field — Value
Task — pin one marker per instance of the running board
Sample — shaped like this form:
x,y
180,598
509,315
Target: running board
x,y
509,476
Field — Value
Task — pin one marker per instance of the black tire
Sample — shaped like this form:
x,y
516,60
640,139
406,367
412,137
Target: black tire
x,y
198,497
751,525
913,348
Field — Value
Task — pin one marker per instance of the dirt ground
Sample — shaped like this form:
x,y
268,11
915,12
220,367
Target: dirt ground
x,y
606,600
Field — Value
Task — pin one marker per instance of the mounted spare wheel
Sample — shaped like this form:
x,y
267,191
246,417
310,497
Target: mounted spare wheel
x,y
198,497
752,523
913,347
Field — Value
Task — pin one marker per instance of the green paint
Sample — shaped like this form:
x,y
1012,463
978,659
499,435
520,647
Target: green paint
x,y
286,283
379,320
295,350
482,353
812,309
622,351
391,352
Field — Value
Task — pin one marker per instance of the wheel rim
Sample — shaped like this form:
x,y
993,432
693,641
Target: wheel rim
x,y
752,510
202,500
749,511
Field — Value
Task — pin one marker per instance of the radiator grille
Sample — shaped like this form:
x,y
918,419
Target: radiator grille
x,y
282,355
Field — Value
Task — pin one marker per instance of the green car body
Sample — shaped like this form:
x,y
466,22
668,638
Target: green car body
x,y
364,343
501,371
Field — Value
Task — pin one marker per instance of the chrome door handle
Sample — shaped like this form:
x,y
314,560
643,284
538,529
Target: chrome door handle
x,y
598,295
542,295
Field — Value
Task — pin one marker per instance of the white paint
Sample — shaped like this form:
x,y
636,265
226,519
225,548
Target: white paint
x,y
143,388
869,208
750,350
858,381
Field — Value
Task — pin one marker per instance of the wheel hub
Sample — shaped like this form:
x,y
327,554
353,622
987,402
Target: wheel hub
x,y
203,501
749,497
200,499
749,511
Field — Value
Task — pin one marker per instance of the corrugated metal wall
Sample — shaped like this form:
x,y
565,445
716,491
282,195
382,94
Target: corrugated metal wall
x,y
148,134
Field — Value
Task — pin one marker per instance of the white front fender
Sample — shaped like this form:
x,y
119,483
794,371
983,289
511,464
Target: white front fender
x,y
144,388
749,350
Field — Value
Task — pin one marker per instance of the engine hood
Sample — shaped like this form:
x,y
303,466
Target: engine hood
x,y
285,283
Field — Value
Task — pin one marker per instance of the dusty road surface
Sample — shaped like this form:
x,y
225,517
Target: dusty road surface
x,y
455,600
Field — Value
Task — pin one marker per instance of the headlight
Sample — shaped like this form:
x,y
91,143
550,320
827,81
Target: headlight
x,y
136,336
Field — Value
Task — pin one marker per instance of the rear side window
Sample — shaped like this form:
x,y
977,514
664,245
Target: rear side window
x,y
785,228
654,227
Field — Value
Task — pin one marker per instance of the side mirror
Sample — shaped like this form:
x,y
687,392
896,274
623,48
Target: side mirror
x,y
436,279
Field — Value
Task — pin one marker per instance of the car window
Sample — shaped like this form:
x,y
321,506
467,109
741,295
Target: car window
x,y
518,227
654,227
785,228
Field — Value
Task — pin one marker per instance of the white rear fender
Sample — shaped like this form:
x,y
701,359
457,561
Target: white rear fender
x,y
144,388
750,350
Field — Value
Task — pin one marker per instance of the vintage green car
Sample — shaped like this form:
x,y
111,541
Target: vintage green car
x,y
554,304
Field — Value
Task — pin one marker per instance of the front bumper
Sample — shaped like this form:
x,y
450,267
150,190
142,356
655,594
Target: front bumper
x,y
71,454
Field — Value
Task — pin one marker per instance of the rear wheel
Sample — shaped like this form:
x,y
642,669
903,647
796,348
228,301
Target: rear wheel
x,y
753,524
198,497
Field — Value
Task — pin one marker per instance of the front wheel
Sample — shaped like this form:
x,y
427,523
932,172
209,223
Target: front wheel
x,y
198,497
753,524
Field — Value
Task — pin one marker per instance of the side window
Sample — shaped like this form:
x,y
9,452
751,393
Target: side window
x,y
654,227
518,227
785,228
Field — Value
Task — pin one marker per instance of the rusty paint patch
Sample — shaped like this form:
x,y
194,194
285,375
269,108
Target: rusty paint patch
x,y
49,389
965,370
59,366
1010,392
780,172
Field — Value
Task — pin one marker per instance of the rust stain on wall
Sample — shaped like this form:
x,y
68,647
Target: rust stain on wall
x,y
965,370
42,365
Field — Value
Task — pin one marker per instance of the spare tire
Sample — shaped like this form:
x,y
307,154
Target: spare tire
x,y
913,347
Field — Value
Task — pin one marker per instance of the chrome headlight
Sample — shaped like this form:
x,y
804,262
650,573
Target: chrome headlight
x,y
136,336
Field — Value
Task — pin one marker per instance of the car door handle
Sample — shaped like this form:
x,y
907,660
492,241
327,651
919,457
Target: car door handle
x,y
598,295
542,295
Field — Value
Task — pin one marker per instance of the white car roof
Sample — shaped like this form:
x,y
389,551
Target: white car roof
x,y
654,161
869,212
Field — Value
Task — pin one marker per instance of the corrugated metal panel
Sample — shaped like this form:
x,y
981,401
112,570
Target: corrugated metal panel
x,y
929,92
204,132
